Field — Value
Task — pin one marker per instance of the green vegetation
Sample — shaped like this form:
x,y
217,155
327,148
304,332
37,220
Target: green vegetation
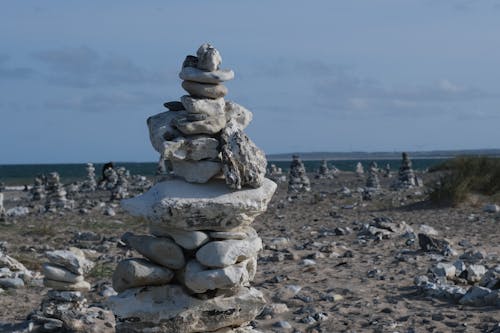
x,y
464,176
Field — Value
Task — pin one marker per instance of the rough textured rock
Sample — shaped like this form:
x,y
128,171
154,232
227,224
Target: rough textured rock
x,y
199,278
196,171
480,296
188,240
209,58
431,244
138,272
208,107
200,124
58,273
298,179
161,128
211,206
159,250
198,75
195,148
68,259
238,233
238,114
170,309
228,252
244,164
204,90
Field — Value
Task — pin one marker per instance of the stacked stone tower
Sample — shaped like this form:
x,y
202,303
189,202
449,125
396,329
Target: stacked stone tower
x,y
406,176
297,178
200,255
38,189
56,194
90,183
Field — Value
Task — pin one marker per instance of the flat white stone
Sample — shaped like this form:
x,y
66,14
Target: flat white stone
x,y
228,252
196,171
73,262
198,75
59,273
188,240
204,90
211,206
159,250
199,279
170,308
136,272
66,286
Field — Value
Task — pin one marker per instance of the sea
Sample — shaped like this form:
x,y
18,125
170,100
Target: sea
x,y
23,174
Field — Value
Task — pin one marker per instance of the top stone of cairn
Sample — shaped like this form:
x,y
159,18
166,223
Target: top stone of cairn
x,y
205,67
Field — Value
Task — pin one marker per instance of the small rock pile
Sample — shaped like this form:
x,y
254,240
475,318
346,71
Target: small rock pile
x,y
359,169
13,274
109,180
276,174
324,172
387,171
64,309
38,189
56,194
372,181
200,254
406,175
297,178
2,208
120,191
90,183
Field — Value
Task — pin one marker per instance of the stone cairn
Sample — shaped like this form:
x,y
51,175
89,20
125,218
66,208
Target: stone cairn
x,y
387,171
359,169
90,183
120,191
64,308
201,253
297,178
406,176
38,189
324,171
276,174
372,181
2,208
56,194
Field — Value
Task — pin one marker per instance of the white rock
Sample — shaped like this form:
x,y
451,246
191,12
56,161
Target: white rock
x,y
475,273
137,272
238,114
200,124
188,240
59,273
206,106
159,250
459,267
209,58
445,269
75,263
491,208
238,233
198,75
428,230
195,148
161,128
196,171
17,211
200,279
228,252
59,285
204,90
211,206
169,308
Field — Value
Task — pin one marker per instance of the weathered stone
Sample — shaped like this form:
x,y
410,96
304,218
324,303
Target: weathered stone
x,y
298,179
59,273
475,273
11,283
228,252
198,75
161,128
11,263
445,270
244,164
75,263
204,90
491,279
209,58
480,296
65,296
196,171
68,286
211,206
209,107
199,278
137,272
162,251
174,106
194,148
431,244
238,114
190,61
188,240
238,233
91,319
169,308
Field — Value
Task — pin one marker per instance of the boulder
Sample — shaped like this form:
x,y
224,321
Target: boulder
x,y
136,272
159,250
170,308
211,206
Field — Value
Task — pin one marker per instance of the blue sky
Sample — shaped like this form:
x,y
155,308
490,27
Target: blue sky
x,y
79,78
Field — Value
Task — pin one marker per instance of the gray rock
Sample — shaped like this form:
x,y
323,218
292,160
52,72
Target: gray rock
x,y
196,171
210,206
228,252
198,75
161,251
59,273
491,208
479,296
209,58
188,240
238,233
204,90
161,128
65,296
475,273
431,244
17,211
11,283
66,286
244,164
195,148
446,270
238,115
73,262
491,279
209,107
137,272
11,263
169,308
174,106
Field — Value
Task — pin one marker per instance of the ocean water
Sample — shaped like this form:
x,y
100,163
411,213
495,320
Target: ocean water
x,y
22,174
